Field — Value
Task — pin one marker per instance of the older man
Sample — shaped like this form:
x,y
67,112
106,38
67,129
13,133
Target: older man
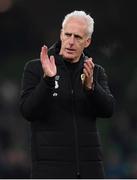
x,y
63,93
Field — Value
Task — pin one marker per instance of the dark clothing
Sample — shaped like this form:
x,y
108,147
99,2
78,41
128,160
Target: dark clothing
x,y
64,139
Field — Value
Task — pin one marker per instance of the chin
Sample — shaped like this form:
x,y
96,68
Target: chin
x,y
71,57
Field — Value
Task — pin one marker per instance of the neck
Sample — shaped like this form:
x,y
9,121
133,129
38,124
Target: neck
x,y
70,60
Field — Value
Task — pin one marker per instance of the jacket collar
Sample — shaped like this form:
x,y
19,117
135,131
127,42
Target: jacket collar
x,y
55,49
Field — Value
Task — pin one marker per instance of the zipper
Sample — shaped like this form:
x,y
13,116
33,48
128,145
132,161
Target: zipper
x,y
72,93
75,134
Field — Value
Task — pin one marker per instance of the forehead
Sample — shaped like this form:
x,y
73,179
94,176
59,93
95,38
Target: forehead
x,y
76,26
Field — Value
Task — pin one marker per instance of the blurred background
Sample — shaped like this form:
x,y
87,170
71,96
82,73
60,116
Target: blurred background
x,y
25,25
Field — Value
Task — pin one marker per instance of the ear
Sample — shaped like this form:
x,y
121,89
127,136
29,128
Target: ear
x,y
61,34
88,42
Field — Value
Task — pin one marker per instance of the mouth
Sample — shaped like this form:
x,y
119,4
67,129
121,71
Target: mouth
x,y
70,50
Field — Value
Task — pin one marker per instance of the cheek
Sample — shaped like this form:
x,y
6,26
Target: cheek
x,y
64,41
81,47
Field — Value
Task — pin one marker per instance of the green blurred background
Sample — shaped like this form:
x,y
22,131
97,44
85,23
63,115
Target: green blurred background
x,y
25,25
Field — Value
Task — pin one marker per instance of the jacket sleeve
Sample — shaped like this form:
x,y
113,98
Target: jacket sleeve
x,y
35,90
101,97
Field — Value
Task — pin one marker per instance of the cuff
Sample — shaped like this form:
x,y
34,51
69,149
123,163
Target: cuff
x,y
50,81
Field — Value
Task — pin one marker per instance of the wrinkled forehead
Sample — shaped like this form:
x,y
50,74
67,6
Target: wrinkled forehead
x,y
76,26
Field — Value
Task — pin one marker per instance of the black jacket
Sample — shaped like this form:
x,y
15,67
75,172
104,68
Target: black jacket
x,y
64,137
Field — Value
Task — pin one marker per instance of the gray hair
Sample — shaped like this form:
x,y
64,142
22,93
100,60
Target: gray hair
x,y
86,17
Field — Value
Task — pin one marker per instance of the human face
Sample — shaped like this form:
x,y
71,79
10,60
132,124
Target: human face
x,y
74,39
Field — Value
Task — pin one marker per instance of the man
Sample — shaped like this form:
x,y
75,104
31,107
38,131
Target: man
x,y
62,95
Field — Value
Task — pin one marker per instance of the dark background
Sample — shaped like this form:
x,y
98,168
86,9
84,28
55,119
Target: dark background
x,y
25,25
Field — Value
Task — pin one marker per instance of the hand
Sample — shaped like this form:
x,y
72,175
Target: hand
x,y
48,63
88,72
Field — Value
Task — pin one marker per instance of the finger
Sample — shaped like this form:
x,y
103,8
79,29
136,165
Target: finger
x,y
90,59
90,62
45,48
89,69
44,54
52,60
85,72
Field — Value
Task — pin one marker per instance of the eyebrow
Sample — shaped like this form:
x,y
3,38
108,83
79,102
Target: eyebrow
x,y
76,35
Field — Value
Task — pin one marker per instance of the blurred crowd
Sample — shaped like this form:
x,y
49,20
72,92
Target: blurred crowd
x,y
14,153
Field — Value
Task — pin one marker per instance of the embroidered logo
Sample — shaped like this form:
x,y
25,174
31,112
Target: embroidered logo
x,y
82,78
56,85
56,81
57,77
55,94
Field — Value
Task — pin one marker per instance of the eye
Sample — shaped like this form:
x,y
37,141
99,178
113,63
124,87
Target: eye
x,y
68,34
78,37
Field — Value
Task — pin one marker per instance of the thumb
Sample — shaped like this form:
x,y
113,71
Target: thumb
x,y
52,60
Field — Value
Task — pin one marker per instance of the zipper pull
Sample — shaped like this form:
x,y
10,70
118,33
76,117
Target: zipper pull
x,y
72,92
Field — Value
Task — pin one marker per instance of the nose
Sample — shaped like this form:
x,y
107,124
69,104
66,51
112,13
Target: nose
x,y
71,40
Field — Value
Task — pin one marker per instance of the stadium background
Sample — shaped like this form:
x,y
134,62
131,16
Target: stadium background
x,y
25,25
